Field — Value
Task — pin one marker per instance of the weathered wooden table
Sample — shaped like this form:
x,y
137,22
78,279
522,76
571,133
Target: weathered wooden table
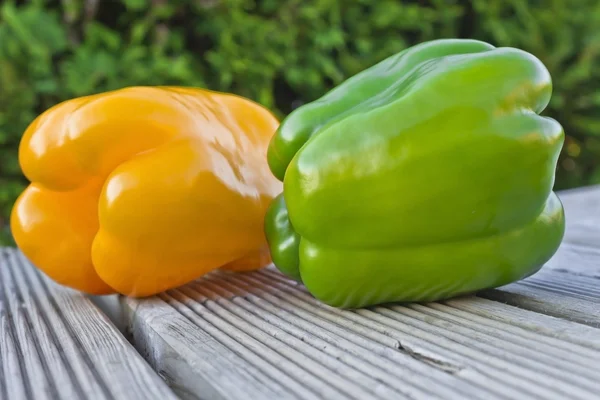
x,y
261,336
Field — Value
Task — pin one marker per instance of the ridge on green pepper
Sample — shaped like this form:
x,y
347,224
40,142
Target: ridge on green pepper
x,y
426,176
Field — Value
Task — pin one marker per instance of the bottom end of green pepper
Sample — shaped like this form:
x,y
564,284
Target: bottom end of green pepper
x,y
282,239
355,278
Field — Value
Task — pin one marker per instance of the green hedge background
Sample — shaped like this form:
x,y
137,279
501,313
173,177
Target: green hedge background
x,y
281,53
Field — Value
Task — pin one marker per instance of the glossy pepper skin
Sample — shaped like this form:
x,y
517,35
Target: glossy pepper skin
x,y
143,189
426,176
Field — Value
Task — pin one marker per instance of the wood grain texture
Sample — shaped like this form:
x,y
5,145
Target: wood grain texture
x,y
557,293
55,344
441,350
582,212
261,336
274,340
568,286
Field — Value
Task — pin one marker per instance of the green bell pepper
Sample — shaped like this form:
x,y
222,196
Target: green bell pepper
x,y
424,177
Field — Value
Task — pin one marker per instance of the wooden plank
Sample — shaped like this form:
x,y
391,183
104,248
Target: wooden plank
x,y
276,332
582,213
583,233
55,344
260,335
568,286
200,360
577,260
557,293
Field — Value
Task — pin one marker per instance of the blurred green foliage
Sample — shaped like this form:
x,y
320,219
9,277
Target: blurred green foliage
x,y
281,53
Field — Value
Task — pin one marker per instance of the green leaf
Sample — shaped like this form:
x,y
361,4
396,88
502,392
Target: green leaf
x,y
99,36
136,5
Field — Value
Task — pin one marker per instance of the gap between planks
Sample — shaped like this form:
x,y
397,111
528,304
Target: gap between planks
x,y
56,344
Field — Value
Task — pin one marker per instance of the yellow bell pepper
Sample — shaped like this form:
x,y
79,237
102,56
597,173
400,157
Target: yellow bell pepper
x,y
144,189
